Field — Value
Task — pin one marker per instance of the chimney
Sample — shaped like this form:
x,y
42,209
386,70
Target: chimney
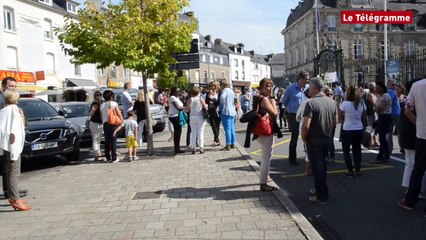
x,y
252,52
97,4
240,48
189,14
218,41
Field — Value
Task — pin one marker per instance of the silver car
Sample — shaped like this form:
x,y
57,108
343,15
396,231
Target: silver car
x,y
77,113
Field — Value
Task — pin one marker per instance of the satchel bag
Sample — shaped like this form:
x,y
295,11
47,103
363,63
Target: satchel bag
x,y
113,119
366,139
206,114
183,118
87,123
264,125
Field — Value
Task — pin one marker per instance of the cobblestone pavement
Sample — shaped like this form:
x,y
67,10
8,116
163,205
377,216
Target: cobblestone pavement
x,y
203,196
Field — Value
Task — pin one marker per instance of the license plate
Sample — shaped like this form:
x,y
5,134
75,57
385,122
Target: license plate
x,y
42,146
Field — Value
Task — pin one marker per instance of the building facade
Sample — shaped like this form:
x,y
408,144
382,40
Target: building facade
x,y
277,64
30,50
361,46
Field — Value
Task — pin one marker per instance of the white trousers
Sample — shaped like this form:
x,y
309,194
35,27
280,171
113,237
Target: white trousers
x,y
267,145
197,131
141,125
409,165
96,130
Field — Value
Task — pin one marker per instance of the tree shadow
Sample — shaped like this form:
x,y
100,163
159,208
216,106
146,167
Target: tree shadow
x,y
245,169
240,158
233,192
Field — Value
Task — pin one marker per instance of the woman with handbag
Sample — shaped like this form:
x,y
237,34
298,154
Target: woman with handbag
x,y
267,113
354,112
383,125
212,101
109,111
195,106
175,106
95,124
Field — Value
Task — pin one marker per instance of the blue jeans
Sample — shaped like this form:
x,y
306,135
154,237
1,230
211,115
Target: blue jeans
x,y
316,153
244,108
228,123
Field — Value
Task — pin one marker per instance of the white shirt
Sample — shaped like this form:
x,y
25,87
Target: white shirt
x,y
353,116
127,102
196,108
417,99
104,109
173,112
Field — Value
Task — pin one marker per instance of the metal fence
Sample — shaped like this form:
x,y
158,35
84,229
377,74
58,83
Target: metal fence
x,y
407,67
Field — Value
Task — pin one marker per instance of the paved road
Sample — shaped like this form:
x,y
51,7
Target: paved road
x,y
362,208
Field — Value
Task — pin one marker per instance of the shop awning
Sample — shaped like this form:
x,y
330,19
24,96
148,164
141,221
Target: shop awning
x,y
240,83
31,88
254,85
74,82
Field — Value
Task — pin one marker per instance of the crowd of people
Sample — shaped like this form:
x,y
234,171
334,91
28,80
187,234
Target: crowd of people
x,y
307,107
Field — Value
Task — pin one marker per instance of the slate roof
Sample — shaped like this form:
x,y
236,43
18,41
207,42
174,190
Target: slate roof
x,y
396,6
306,5
278,58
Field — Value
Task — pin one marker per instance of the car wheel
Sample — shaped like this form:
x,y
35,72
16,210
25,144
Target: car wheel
x,y
74,155
159,127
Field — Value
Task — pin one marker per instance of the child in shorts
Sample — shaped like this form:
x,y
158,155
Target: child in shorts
x,y
131,132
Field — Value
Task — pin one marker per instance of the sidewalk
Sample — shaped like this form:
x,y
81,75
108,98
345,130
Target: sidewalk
x,y
203,196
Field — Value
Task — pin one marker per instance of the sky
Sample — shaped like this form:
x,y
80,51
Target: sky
x,y
255,23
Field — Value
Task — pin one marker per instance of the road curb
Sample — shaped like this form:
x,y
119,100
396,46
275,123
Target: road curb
x,y
304,225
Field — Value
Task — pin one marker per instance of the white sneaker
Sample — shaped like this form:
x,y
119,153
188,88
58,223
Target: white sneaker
x,y
116,161
135,158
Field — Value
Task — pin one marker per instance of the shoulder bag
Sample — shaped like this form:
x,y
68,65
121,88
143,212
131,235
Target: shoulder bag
x,y
113,119
264,125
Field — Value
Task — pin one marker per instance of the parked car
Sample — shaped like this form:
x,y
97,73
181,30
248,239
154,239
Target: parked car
x,y
47,132
158,113
77,113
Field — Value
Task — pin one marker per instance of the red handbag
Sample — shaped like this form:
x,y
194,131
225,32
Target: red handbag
x,y
264,125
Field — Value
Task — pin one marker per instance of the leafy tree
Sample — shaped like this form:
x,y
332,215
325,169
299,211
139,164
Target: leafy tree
x,y
167,80
139,34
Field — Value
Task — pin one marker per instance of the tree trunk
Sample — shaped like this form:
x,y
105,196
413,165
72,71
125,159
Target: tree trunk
x,y
149,131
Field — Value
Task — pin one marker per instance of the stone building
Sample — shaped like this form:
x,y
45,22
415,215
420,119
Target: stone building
x,y
277,65
362,46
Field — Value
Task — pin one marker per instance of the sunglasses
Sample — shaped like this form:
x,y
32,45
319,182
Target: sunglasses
x,y
98,95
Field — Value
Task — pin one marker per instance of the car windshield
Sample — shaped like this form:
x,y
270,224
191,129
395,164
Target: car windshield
x,y
72,111
37,110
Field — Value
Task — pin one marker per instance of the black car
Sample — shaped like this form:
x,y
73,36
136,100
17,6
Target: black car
x,y
47,132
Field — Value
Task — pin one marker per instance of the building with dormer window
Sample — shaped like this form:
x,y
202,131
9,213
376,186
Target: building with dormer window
x,y
31,51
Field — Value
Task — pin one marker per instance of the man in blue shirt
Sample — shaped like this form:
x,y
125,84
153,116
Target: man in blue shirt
x,y
292,98
396,109
227,115
338,94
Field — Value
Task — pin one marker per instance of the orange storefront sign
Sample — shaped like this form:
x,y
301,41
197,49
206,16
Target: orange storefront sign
x,y
40,75
27,77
